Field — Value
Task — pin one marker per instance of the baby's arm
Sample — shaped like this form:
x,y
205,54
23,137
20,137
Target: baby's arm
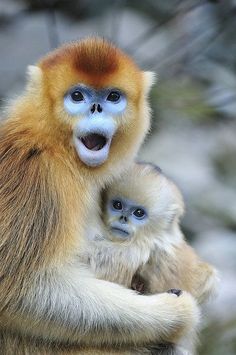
x,y
199,277
206,282
181,268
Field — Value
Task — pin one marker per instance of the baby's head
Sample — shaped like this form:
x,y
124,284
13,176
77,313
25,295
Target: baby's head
x,y
143,201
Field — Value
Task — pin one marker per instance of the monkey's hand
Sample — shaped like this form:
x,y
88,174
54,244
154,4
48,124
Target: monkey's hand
x,y
185,314
139,284
71,306
206,282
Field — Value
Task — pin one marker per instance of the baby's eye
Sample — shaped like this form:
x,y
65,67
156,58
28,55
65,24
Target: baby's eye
x,y
117,205
139,213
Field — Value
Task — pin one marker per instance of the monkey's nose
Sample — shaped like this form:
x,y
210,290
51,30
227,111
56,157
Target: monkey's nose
x,y
96,107
93,108
123,219
99,108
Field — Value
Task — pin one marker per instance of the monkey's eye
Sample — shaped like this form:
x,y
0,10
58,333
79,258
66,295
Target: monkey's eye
x,y
77,95
117,205
114,96
139,213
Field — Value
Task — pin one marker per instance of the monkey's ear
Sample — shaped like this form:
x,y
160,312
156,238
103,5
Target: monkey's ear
x,y
35,77
149,78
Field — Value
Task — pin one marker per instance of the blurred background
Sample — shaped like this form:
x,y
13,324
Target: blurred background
x,y
191,45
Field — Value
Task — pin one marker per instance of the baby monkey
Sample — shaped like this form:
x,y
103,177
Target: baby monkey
x,y
137,241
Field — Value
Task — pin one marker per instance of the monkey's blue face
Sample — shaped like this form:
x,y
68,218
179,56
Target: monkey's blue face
x,y
97,111
124,217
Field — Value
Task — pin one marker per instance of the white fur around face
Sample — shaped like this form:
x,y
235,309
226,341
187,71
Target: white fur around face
x,y
150,79
35,77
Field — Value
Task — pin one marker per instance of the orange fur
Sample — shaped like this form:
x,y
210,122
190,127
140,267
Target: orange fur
x,y
40,169
45,194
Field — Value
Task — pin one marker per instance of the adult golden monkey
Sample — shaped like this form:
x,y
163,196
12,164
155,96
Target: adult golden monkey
x,y
80,122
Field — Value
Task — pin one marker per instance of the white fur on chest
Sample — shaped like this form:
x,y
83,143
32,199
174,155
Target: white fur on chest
x,y
116,262
119,261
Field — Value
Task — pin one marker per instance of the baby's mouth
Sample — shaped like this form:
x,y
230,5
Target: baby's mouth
x,y
120,232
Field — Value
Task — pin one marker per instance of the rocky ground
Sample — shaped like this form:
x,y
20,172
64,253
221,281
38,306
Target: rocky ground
x,y
194,128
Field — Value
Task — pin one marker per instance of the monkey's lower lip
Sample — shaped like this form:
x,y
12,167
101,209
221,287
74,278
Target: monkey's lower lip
x,y
94,141
120,231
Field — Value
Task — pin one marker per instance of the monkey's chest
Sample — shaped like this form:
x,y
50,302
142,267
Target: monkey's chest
x,y
114,263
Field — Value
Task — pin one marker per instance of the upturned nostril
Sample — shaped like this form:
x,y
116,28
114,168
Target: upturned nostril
x,y
123,219
99,108
93,108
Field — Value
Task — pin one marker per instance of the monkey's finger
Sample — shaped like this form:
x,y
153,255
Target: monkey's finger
x,y
175,291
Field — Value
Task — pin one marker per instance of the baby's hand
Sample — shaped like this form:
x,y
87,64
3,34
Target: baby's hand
x,y
139,284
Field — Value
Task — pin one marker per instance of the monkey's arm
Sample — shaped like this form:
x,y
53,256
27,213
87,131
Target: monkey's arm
x,y
197,277
206,282
69,305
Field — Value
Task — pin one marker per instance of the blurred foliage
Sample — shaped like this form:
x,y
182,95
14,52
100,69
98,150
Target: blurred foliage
x,y
75,9
219,338
182,97
225,165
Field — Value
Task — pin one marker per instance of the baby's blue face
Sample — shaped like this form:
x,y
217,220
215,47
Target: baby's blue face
x,y
124,217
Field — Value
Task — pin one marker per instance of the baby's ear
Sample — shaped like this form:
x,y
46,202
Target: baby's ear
x,y
178,211
175,213
178,201
149,79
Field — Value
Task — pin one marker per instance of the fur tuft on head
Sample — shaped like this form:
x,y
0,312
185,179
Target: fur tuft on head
x,y
154,166
93,56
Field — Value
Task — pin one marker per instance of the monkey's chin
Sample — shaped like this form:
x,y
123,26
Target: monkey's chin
x,y
91,157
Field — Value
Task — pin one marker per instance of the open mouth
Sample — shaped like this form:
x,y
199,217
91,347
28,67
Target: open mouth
x,y
94,141
93,148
